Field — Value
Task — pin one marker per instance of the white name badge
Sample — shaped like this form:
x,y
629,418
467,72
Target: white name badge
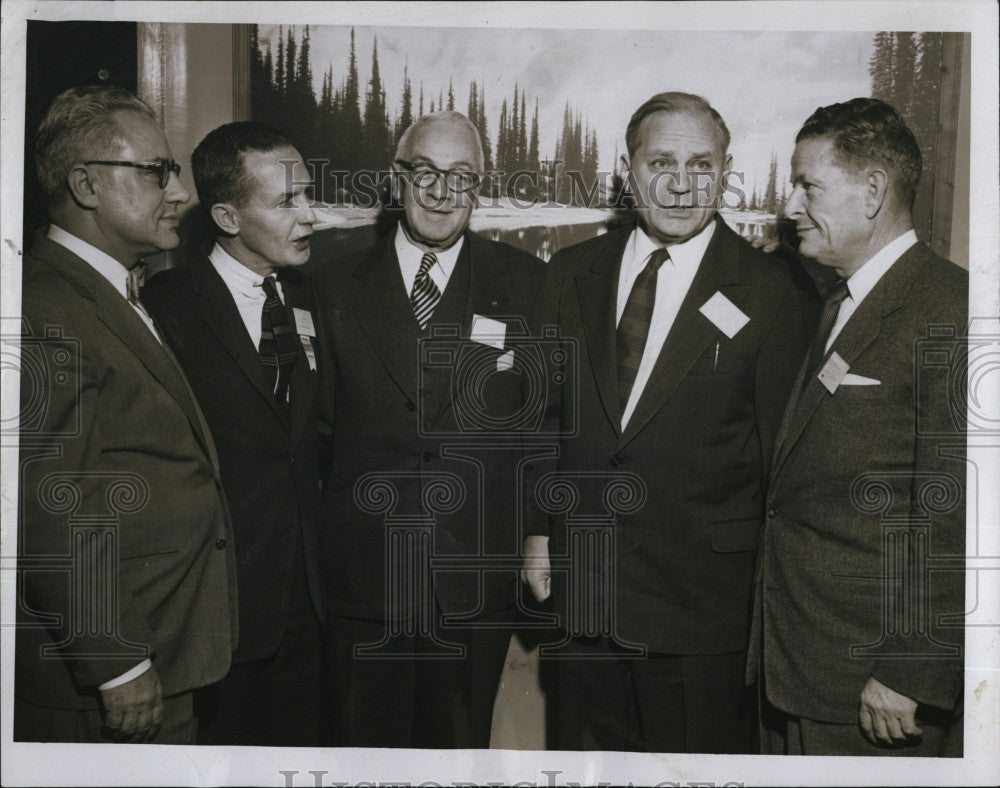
x,y
726,316
486,331
307,346
506,361
303,322
833,373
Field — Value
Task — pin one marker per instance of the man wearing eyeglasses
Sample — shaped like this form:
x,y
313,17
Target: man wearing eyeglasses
x,y
127,586
419,380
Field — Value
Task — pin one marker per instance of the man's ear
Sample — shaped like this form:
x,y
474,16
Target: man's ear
x,y
226,218
876,189
85,191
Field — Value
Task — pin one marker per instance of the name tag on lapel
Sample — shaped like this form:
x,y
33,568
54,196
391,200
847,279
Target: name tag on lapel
x,y
487,331
506,361
833,373
726,316
303,322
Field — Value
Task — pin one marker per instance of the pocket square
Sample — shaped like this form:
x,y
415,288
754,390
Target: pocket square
x,y
859,380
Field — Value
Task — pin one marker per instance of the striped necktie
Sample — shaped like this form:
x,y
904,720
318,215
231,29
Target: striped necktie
x,y
633,328
828,318
278,341
425,294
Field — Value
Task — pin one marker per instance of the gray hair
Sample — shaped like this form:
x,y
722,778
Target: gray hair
x,y
77,126
449,117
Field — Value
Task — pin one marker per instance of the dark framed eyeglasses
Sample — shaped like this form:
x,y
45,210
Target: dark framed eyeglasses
x,y
162,167
423,175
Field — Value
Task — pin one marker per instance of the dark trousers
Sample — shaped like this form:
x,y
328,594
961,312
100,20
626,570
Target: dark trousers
x,y
273,701
785,734
658,703
38,723
410,694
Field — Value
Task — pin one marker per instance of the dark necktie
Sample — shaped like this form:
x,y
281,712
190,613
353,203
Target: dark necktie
x,y
633,328
831,308
278,342
133,283
425,294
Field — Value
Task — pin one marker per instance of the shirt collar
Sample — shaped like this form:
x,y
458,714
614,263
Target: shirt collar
x,y
236,275
407,252
102,262
860,284
688,253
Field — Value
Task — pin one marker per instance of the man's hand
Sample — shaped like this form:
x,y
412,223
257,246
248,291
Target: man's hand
x,y
886,717
133,711
537,571
769,245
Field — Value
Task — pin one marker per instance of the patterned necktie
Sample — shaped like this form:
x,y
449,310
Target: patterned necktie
x,y
831,308
278,342
425,294
633,328
133,283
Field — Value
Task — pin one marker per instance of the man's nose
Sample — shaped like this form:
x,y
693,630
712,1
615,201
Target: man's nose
x,y
176,193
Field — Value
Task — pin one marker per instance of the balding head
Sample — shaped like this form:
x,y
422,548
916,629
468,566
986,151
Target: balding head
x,y
454,127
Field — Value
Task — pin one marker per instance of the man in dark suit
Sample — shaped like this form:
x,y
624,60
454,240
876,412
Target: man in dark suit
x,y
226,315
421,380
128,598
850,641
687,343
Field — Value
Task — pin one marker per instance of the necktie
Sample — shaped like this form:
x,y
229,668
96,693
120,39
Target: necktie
x,y
425,294
133,283
633,328
278,342
831,307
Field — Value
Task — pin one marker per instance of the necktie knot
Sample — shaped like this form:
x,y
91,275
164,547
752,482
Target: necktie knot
x,y
657,258
134,281
425,294
837,294
269,286
427,263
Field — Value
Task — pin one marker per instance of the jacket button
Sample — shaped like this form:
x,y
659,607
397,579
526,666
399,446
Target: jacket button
x,y
220,544
290,528
410,406
616,462
428,456
772,512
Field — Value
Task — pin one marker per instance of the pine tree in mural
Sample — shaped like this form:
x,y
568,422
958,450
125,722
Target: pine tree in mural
x,y
770,202
904,71
880,67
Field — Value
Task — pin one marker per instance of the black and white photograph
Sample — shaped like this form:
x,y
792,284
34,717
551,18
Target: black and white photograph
x,y
541,394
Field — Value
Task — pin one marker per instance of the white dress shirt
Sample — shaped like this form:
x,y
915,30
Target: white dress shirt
x,y
410,256
116,274
105,265
861,282
673,281
246,289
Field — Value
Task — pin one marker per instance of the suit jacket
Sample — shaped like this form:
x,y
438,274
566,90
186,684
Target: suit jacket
x,y
267,453
426,412
121,503
693,453
859,475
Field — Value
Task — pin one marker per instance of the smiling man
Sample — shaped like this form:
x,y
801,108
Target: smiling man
x,y
866,486
417,652
688,344
240,321
127,586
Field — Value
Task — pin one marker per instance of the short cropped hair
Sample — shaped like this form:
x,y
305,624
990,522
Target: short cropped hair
x,y
866,132
80,125
448,117
678,103
217,164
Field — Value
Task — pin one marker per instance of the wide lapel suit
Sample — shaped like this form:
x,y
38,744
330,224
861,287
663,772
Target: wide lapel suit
x,y
406,408
268,450
694,449
857,473
121,437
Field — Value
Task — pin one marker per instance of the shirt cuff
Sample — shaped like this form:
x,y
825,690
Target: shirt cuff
x,y
126,677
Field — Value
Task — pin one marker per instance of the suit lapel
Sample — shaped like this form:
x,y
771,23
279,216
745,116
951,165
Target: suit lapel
x,y
302,392
692,332
219,312
597,294
122,321
860,331
385,316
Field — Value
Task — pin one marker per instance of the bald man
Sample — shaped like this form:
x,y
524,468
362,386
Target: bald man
x,y
418,385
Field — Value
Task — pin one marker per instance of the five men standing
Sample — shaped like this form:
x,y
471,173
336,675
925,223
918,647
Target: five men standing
x,y
687,346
